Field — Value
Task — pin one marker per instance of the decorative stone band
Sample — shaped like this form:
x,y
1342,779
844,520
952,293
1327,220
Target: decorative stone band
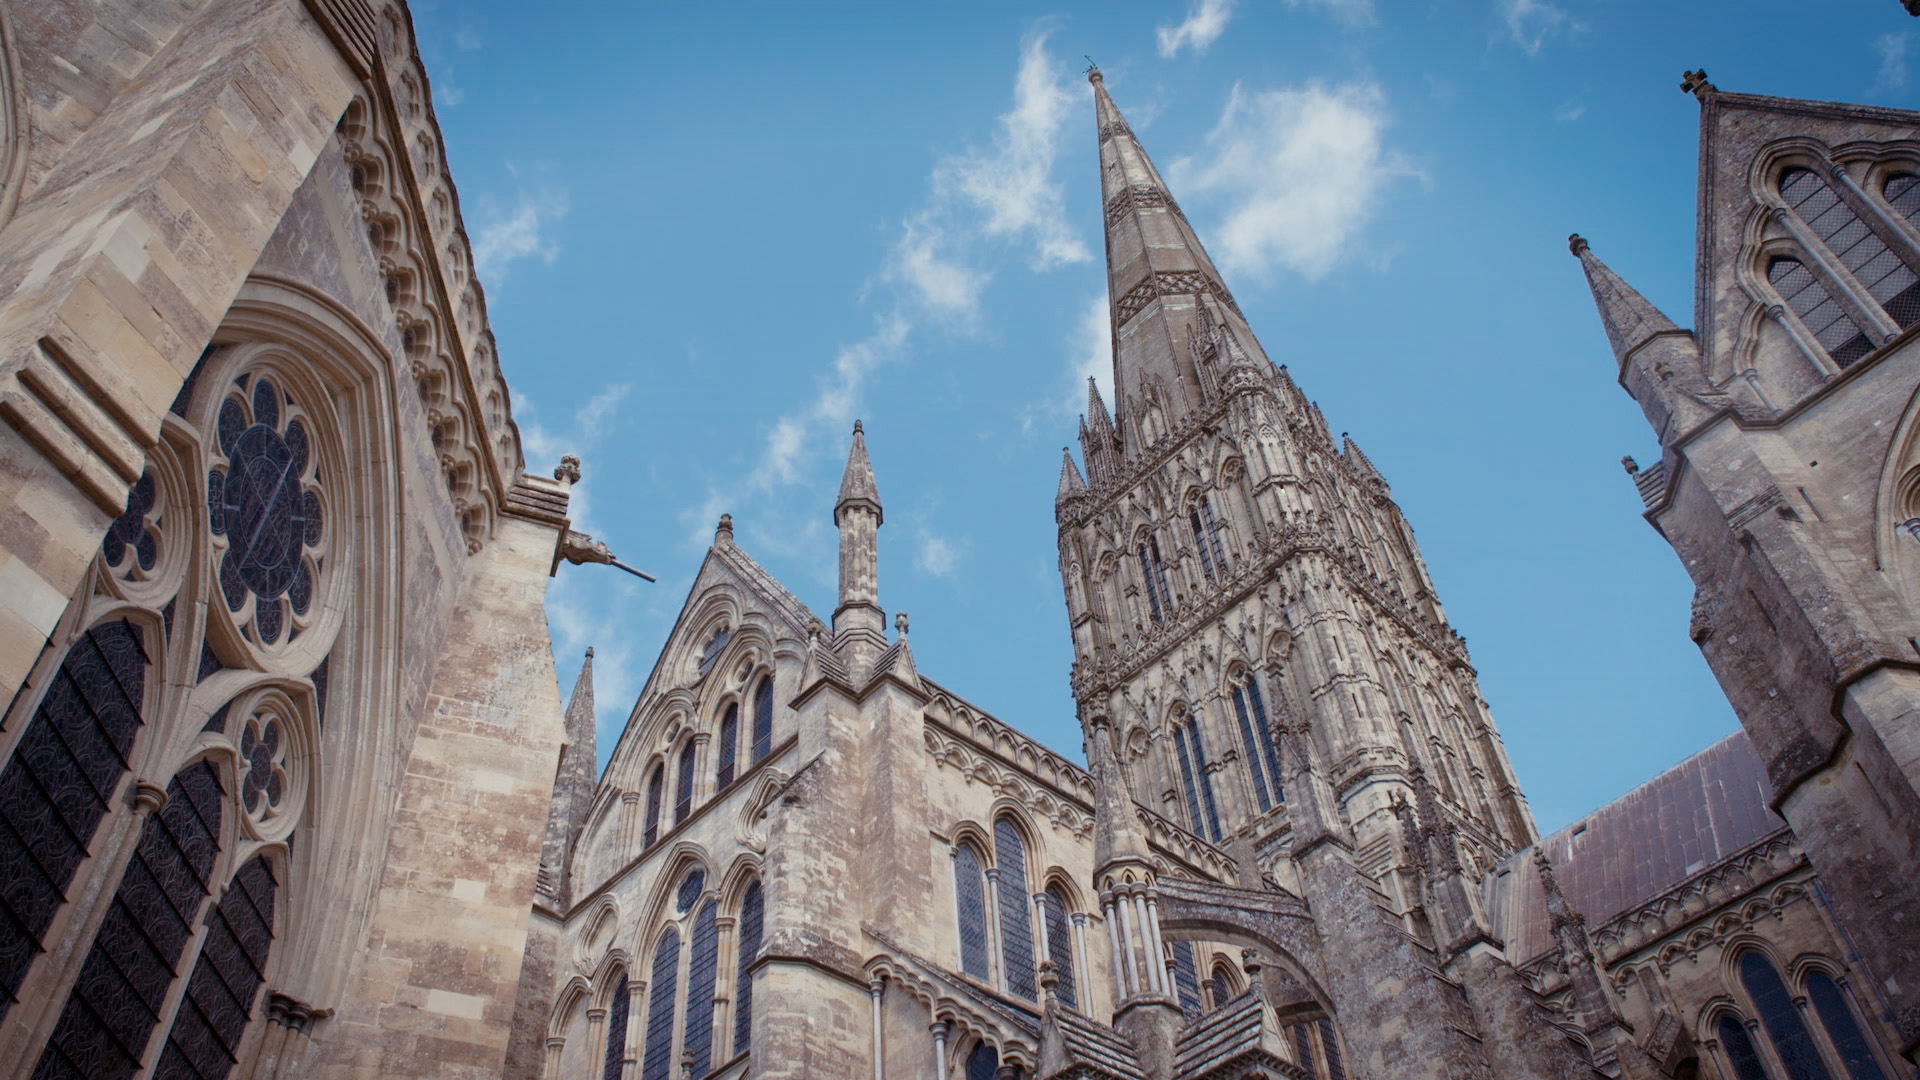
x,y
1118,127
1142,196
1172,283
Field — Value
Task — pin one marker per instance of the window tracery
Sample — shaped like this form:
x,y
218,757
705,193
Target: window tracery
x,y
1196,781
1186,979
683,794
265,510
1825,319
729,745
650,832
983,1063
703,969
618,1011
1843,1030
1741,1053
1256,734
1891,283
1774,1005
204,1042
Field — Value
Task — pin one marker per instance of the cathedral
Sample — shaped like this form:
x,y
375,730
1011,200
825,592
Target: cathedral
x,y
253,427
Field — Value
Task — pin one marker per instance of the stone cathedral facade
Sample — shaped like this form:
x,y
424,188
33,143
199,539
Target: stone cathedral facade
x,y
287,788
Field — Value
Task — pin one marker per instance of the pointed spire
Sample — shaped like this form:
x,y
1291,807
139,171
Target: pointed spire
x,y
856,484
857,514
1071,486
573,789
580,706
1631,321
1097,406
1660,364
1116,835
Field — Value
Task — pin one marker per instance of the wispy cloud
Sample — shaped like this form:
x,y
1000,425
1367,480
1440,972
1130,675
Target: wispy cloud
x,y
520,233
937,555
1206,21
1299,172
1090,355
544,447
1569,112
1354,12
1531,22
1893,62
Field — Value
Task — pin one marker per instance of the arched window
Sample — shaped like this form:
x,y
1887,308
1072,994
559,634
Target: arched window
x,y
1016,917
1825,319
204,1042
683,791
124,981
657,1062
1060,944
715,645
1153,571
1903,194
1887,279
1842,1029
983,1063
1206,539
763,718
1221,984
1263,756
1777,1014
655,780
1740,1050
1186,979
703,969
59,783
970,902
751,914
616,1059
1193,773
1330,1046
729,746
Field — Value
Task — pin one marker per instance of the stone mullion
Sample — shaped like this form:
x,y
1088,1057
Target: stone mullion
x,y
726,953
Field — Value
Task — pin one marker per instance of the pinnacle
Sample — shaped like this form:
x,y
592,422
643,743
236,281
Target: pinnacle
x,y
1630,320
1070,482
856,484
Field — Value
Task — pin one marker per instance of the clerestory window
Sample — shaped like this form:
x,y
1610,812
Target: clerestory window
x,y
1824,318
655,782
1891,283
1201,808
1206,540
656,1062
1781,1019
683,795
970,904
763,718
729,746
1256,735
1016,910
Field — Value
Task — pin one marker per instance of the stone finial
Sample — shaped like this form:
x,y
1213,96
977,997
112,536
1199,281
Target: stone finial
x,y
1695,83
1576,244
900,623
569,470
1632,466
723,532
1049,980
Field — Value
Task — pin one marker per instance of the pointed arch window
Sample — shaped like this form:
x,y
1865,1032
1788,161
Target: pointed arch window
x,y
1016,910
1330,1046
1903,194
983,1063
1221,985
1186,979
124,981
1740,1049
683,792
752,912
59,783
655,781
970,904
1256,735
1197,781
204,1042
1825,319
763,718
1060,944
715,646
1153,570
617,1010
1891,283
1842,1029
703,969
662,986
1780,1019
1206,539
729,746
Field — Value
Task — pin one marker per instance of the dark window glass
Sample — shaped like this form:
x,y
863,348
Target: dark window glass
x,y
657,1062
1200,543
1256,767
56,787
1187,775
729,746
616,1061
204,1043
1146,575
750,916
1903,193
1780,1019
1740,1050
683,795
983,1063
1160,573
1842,1028
714,648
702,968
1330,1046
690,888
1269,747
970,899
1885,277
1186,979
1193,765
1302,1045
1060,946
652,832
130,532
1824,318
123,983
1213,535
1016,918
1222,987
763,718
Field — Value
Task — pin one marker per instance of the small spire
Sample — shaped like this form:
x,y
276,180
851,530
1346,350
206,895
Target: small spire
x,y
856,484
1097,406
1071,485
1116,835
1630,320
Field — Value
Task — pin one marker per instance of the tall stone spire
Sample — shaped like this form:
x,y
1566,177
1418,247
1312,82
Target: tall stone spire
x,y
857,514
1660,364
1156,272
572,789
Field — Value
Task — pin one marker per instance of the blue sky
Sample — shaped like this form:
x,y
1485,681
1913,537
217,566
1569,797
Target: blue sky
x,y
712,236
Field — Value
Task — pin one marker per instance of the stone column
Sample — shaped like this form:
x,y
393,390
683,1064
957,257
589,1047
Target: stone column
x,y
1083,985
876,990
1116,957
939,1030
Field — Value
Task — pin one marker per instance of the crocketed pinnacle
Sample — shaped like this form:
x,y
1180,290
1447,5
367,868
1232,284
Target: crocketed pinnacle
x,y
856,484
1631,321
1116,835
1070,482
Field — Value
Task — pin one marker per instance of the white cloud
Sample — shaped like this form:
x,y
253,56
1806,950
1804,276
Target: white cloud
x,y
945,286
1532,22
518,235
1569,112
1299,172
937,556
1206,21
544,447
1091,356
1893,62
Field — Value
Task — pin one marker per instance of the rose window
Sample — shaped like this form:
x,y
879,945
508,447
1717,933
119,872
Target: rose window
x,y
263,783
133,533
266,506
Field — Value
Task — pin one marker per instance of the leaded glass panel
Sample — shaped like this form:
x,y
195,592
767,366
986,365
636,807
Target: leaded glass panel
x,y
1780,1019
1060,945
983,1063
1200,543
1740,1050
204,1042
729,746
1160,573
1255,766
683,794
702,969
1222,986
763,718
751,914
58,784
1186,979
1189,784
1214,526
1016,912
662,990
614,1067
1825,319
1885,277
1269,747
1146,576
970,900
1330,1046
1205,780
1842,1029
690,889
651,832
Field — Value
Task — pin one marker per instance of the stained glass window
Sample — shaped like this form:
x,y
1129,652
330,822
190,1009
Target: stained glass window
x,y
1060,945
1146,575
763,718
1221,985
970,900
1186,979
204,1043
614,1066
683,793
1188,783
1303,1045
58,784
1740,1050
1193,769
1825,319
690,889
260,505
751,914
702,968
714,647
1842,1028
1330,1046
1780,1019
123,983
983,1063
651,833
729,746
657,1063
1200,543
130,531
1885,277
1016,918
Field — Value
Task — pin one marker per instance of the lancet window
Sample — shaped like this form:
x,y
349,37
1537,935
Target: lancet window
x,y
204,1042
1843,1030
752,914
1195,780
1824,318
970,905
729,745
1891,283
617,1009
1221,985
656,780
703,969
1186,979
1059,929
1016,916
1206,539
683,791
1256,735
1153,572
763,718
1774,1006
1739,1049
983,1063
662,993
